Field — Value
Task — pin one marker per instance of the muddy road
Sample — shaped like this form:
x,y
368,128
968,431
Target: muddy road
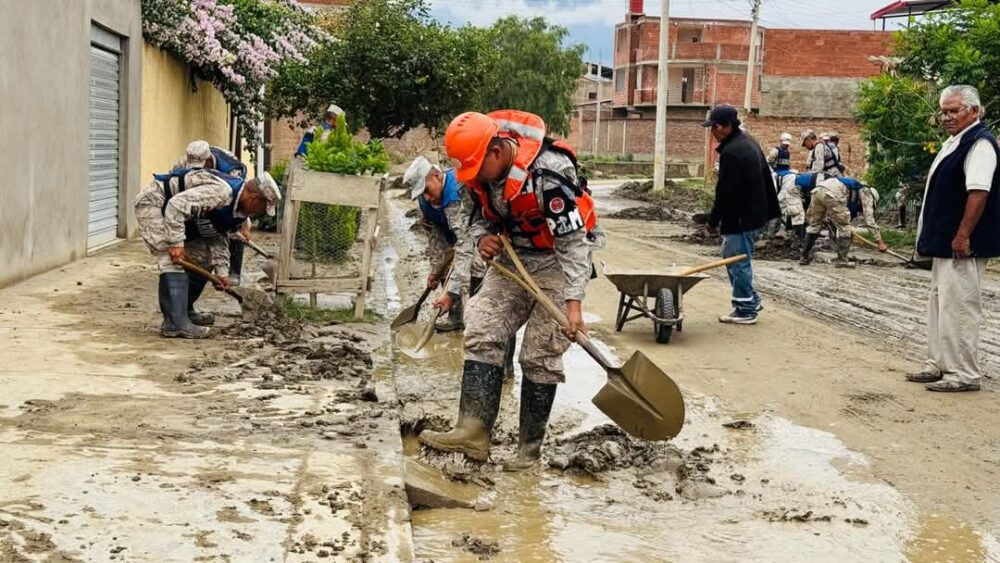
x,y
802,441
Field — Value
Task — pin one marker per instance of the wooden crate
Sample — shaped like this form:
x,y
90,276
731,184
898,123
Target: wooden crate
x,y
307,186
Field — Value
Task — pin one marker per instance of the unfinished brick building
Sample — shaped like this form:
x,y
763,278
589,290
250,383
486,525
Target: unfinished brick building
x,y
802,79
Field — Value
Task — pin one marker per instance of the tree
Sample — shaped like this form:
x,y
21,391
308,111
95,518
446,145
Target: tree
x,y
531,70
897,111
392,68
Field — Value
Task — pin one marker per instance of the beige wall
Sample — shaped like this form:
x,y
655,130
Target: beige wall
x,y
45,127
173,115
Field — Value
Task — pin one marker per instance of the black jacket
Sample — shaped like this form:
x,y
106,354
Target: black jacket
x,y
745,198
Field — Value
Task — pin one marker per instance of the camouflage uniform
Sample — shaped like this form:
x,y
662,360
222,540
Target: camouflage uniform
x,y
501,307
829,204
867,214
162,228
467,262
817,162
791,199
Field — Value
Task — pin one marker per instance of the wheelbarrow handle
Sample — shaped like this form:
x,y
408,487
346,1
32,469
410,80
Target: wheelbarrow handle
x,y
195,268
710,265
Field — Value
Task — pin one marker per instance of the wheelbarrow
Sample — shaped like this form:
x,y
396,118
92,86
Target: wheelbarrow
x,y
637,288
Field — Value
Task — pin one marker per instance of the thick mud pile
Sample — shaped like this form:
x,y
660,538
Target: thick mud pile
x,y
650,213
675,197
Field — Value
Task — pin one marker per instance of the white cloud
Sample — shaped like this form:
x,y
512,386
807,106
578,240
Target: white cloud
x,y
561,12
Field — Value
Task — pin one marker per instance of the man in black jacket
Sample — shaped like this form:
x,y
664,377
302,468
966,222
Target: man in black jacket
x,y
745,200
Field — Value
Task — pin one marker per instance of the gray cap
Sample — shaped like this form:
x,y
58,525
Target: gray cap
x,y
807,134
334,109
198,153
269,188
415,177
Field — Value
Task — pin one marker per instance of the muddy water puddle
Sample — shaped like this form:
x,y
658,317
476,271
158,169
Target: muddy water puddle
x,y
765,487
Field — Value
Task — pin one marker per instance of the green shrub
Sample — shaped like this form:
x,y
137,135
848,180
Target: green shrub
x,y
327,232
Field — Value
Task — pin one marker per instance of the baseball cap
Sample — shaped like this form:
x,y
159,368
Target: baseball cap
x,y
415,177
807,134
198,153
269,188
786,138
334,109
723,113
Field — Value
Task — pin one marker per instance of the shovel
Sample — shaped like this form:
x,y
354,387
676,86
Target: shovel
x,y
270,266
639,396
249,299
410,314
872,245
195,268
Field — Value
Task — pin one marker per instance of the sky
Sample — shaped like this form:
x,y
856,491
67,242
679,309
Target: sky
x,y
592,22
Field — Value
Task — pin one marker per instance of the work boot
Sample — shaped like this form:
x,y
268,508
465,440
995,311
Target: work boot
x,y
164,297
235,261
196,284
454,320
843,250
477,412
807,248
536,405
508,359
176,323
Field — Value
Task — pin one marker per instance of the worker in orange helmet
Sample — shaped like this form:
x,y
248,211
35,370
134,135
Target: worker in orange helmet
x,y
526,187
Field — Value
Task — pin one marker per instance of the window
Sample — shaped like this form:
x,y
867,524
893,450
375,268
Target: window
x,y
591,95
621,75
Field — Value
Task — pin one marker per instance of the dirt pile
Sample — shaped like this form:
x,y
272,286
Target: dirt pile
x,y
677,197
650,213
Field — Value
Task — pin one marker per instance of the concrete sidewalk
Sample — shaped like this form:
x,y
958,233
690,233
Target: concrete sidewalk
x,y
120,445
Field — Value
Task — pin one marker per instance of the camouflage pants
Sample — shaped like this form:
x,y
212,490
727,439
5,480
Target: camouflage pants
x,y
501,308
153,233
794,208
829,205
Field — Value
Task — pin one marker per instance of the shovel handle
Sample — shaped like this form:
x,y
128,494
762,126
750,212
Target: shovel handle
x,y
865,242
192,267
581,338
257,248
710,265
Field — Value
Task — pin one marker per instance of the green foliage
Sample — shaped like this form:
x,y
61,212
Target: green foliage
x,y
279,171
304,312
900,239
897,122
394,68
326,233
339,152
955,46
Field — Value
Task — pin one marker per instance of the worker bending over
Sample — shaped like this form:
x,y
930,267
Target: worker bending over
x,y
835,201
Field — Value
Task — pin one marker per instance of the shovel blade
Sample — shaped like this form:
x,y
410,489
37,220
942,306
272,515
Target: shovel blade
x,y
411,339
406,316
642,399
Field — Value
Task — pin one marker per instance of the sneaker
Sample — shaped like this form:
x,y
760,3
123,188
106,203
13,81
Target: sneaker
x,y
737,319
951,386
924,377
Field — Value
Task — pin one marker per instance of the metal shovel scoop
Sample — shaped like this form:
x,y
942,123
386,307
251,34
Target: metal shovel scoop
x,y
410,314
639,396
249,299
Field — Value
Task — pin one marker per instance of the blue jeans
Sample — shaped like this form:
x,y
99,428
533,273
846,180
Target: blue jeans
x,y
745,299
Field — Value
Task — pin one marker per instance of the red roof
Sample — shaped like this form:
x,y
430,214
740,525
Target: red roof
x,y
902,8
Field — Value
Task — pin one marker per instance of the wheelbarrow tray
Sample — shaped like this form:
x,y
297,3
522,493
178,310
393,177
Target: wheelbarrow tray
x,y
637,287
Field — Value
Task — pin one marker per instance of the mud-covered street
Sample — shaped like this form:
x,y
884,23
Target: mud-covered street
x,y
287,440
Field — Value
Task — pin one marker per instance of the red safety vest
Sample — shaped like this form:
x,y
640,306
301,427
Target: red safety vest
x,y
527,218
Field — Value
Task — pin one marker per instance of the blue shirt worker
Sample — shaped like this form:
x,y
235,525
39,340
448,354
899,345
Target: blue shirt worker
x,y
328,124
958,231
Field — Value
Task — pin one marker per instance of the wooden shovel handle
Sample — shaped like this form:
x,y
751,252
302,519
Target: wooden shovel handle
x,y
710,265
874,246
582,339
192,267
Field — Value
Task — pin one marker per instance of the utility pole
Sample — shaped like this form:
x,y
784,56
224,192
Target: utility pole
x,y
751,58
660,156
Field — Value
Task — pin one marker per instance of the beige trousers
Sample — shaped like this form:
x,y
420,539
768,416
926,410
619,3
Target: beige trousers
x,y
954,314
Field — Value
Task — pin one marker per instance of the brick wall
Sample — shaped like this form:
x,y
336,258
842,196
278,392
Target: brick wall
x,y
767,130
806,52
284,141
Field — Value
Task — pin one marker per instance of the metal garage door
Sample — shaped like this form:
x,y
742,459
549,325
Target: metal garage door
x,y
102,224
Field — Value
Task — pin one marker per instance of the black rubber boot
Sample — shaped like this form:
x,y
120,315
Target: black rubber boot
x,y
807,247
800,233
536,406
902,217
455,320
235,261
164,298
196,285
477,413
843,254
179,325
508,359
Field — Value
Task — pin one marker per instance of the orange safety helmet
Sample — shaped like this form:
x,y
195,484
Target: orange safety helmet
x,y
466,140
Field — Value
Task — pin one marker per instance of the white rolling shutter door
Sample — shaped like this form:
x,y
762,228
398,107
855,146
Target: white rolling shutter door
x,y
102,224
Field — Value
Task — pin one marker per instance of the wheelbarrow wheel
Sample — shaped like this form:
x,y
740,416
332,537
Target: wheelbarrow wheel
x,y
664,310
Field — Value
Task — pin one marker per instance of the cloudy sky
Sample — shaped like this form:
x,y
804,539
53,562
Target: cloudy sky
x,y
592,21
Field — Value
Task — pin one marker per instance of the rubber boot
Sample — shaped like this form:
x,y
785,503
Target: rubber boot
x,y
807,247
179,325
196,285
454,321
902,217
536,406
800,233
477,413
164,297
843,250
235,261
508,359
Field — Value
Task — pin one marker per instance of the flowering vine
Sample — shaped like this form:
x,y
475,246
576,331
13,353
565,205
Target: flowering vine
x,y
238,45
